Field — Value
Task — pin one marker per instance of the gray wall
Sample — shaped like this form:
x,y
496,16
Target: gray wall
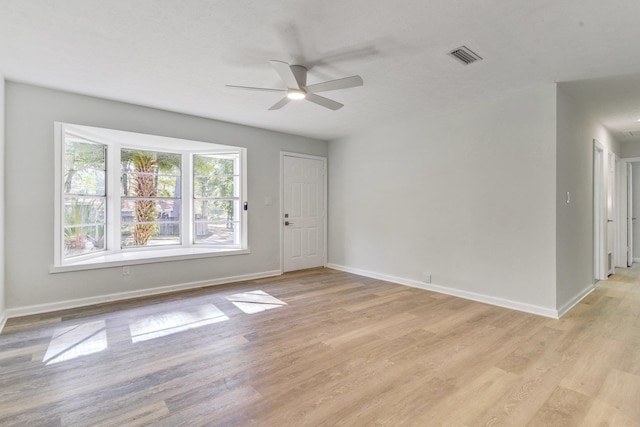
x,y
576,131
629,149
468,196
30,114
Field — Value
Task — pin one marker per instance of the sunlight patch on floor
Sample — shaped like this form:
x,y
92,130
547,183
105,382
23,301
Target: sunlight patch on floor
x,y
163,324
255,301
75,341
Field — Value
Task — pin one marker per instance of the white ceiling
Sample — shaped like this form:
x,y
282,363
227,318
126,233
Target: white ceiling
x,y
179,54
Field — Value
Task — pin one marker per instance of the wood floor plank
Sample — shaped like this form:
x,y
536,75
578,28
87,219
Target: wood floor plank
x,y
602,414
490,384
518,405
529,351
145,415
564,408
589,371
622,390
344,350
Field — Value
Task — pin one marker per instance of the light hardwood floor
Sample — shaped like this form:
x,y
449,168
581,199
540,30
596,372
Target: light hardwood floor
x,y
331,349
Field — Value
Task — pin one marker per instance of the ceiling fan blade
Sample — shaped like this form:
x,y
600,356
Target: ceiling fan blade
x,y
325,102
278,105
286,74
256,88
344,83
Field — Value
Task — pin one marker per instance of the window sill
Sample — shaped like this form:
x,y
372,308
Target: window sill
x,y
144,257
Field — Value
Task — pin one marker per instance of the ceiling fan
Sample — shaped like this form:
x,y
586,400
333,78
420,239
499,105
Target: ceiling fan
x,y
295,79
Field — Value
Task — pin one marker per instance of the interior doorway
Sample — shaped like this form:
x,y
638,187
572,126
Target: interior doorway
x,y
634,205
611,216
599,213
623,199
303,215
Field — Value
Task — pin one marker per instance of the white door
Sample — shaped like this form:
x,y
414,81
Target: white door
x,y
303,208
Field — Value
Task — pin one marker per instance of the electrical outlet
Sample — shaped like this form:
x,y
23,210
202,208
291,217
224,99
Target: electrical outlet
x,y
125,270
426,277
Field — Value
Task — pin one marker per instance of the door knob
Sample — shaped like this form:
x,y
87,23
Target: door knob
x,y
288,223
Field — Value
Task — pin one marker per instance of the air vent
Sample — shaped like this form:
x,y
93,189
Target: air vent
x,y
632,134
465,55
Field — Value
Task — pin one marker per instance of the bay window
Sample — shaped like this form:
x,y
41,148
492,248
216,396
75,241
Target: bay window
x,y
123,197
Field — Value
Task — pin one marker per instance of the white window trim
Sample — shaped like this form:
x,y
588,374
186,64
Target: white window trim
x,y
133,256
145,257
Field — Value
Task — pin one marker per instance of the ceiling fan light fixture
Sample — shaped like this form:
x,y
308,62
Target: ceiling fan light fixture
x,y
296,94
295,88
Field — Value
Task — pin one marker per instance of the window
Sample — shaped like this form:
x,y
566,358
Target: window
x,y
127,196
149,198
85,196
216,199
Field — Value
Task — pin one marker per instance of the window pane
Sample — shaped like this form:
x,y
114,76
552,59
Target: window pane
x,y
150,174
217,233
84,225
149,185
150,222
84,210
84,167
215,186
150,208
215,210
215,175
215,222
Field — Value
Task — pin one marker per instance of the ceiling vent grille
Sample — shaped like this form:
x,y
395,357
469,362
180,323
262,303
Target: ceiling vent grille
x,y
630,134
465,55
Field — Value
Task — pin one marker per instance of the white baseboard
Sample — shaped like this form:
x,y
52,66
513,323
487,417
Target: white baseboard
x,y
3,319
500,302
636,259
82,302
575,300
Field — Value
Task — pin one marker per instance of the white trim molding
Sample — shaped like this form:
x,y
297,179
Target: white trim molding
x,y
83,302
487,299
145,257
575,300
3,320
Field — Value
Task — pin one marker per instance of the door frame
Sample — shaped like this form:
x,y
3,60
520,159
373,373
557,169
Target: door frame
x,y
610,213
630,161
621,210
629,214
284,154
599,212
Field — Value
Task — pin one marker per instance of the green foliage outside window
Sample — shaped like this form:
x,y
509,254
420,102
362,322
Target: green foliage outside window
x,y
145,174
